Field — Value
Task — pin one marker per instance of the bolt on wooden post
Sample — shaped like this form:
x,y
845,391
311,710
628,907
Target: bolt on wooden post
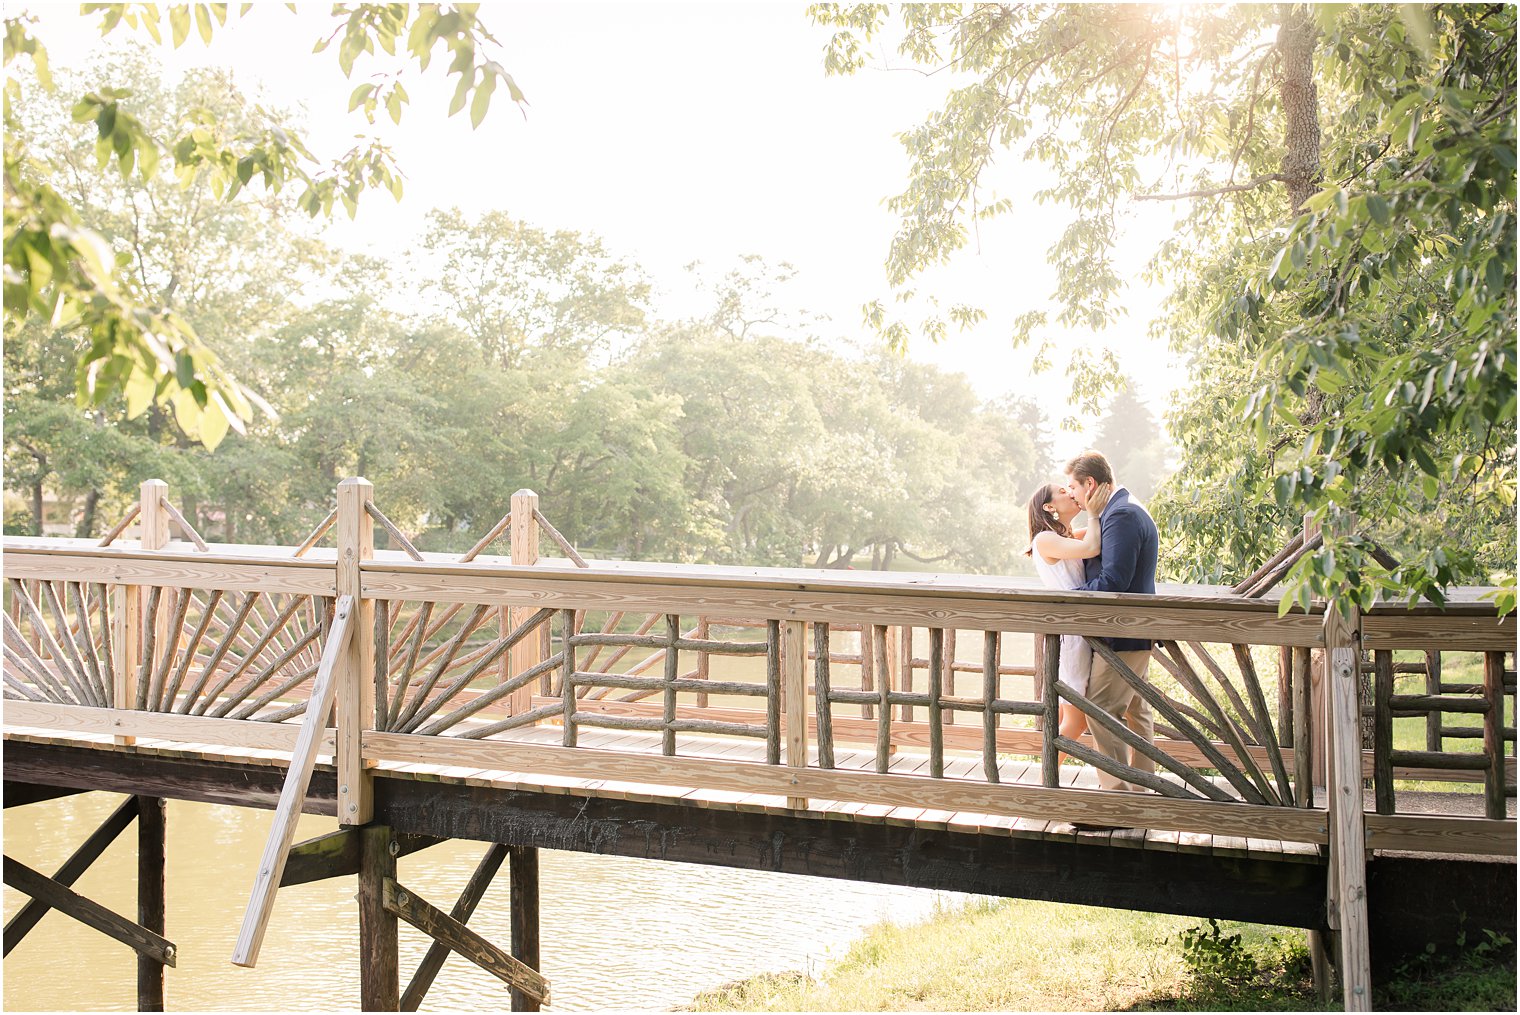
x,y
356,667
528,652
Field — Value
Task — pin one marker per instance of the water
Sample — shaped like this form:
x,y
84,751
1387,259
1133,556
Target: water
x,y
616,932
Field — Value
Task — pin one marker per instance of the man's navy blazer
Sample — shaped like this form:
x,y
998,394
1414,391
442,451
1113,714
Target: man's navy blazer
x,y
1128,560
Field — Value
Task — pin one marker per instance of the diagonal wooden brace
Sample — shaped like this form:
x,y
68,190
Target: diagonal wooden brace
x,y
445,929
92,914
302,760
432,962
73,868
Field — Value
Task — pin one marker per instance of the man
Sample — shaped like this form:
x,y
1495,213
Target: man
x,y
1126,564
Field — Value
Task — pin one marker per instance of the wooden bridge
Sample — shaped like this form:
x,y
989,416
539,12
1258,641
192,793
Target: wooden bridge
x,y
815,722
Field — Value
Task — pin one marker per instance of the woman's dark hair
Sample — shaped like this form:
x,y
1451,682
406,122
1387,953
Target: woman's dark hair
x,y
1040,519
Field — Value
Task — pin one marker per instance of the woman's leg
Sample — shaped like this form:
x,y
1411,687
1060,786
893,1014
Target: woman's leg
x,y
1073,723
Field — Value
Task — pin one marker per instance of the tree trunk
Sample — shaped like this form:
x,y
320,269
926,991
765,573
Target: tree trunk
x,y
37,508
86,527
1300,101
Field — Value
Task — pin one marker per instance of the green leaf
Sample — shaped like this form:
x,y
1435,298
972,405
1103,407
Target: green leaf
x,y
1424,461
482,101
203,23
179,23
212,425
357,97
461,93
1378,208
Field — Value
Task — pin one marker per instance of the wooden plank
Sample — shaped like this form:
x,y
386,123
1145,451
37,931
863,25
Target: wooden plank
x,y
303,760
862,787
73,869
464,907
123,722
91,914
1436,632
172,568
998,864
688,593
405,904
1429,833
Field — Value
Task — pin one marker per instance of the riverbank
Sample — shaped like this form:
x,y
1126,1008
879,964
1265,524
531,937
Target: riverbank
x,y
1013,955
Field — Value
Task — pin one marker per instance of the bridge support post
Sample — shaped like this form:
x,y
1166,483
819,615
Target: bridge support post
x,y
522,870
1347,881
151,811
355,673
152,825
379,956
528,652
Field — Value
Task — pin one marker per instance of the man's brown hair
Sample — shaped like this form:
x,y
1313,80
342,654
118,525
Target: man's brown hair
x,y
1090,465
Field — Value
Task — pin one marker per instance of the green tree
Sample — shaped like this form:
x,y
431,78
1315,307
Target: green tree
x,y
232,268
1345,247
517,289
61,270
1134,444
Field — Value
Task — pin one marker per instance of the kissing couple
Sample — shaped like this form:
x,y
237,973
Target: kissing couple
x,y
1116,552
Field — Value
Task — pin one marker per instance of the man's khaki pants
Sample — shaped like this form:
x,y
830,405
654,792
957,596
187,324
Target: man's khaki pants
x,y
1112,693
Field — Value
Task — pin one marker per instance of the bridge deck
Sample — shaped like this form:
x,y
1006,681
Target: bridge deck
x,y
1010,770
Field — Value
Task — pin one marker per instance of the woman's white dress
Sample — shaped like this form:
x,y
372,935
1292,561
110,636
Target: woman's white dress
x,y
1076,654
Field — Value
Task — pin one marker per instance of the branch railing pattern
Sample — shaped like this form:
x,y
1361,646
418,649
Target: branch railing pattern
x,y
203,652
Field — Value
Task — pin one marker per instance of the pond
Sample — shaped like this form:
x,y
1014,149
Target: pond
x,y
616,932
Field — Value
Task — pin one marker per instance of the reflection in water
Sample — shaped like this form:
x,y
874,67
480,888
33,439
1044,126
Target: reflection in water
x,y
616,932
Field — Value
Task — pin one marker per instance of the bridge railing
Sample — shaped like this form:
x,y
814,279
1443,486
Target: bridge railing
x,y
848,688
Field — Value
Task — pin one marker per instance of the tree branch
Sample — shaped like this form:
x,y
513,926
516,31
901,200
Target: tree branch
x,y
1215,191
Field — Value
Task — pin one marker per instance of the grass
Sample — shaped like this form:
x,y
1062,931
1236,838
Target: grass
x,y
1014,955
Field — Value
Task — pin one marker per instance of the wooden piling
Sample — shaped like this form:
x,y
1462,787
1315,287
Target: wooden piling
x,y
153,521
379,958
151,828
522,872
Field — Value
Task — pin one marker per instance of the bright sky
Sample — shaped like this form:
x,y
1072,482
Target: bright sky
x,y
681,132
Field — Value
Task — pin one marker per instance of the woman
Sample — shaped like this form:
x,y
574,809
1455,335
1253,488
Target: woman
x,y
1058,552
